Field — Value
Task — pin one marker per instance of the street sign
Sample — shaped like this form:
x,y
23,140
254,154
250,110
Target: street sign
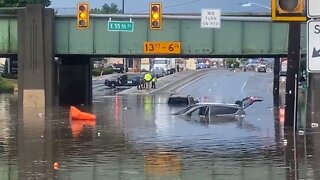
x,y
210,18
126,26
313,8
162,47
313,46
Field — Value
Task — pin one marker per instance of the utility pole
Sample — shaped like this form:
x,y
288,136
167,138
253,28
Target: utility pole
x,y
292,74
124,59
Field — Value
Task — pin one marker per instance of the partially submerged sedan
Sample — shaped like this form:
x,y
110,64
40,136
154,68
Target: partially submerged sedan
x,y
218,112
181,100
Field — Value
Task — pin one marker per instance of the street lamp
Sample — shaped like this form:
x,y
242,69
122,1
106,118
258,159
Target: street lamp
x,y
249,4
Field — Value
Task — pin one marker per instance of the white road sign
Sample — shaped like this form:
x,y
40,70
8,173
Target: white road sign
x,y
313,46
210,18
313,8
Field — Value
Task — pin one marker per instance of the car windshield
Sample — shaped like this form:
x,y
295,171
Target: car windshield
x,y
178,100
133,76
186,109
160,61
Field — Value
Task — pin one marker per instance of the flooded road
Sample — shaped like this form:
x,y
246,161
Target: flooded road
x,y
136,137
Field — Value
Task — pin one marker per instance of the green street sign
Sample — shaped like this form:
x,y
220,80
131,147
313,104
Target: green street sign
x,y
125,26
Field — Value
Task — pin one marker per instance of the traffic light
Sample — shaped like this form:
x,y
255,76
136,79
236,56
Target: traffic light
x,y
289,10
83,15
155,16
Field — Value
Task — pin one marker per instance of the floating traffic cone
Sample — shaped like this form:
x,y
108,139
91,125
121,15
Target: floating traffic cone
x,y
76,114
77,127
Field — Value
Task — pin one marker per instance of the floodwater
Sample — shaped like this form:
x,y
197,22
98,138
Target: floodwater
x,y
136,137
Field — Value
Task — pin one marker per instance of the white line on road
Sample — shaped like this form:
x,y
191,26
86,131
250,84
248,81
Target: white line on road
x,y
244,84
182,87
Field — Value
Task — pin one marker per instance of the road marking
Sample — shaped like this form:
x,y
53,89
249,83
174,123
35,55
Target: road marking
x,y
244,84
182,87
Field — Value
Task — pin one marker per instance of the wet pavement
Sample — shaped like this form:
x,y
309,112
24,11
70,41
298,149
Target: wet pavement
x,y
136,137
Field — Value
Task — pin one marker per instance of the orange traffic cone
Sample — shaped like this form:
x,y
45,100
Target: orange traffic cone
x,y
76,114
78,126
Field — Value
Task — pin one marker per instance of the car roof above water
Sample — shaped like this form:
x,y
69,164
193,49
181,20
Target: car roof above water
x,y
218,104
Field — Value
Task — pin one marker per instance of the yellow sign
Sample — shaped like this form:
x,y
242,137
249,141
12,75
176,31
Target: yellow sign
x,y
162,47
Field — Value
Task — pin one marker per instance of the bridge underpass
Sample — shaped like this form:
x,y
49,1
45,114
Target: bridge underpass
x,y
41,36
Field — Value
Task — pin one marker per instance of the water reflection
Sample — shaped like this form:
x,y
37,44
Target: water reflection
x,y
135,137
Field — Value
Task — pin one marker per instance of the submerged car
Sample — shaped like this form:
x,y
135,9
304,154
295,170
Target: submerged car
x,y
218,112
181,100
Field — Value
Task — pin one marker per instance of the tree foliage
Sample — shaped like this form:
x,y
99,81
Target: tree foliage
x,y
22,3
107,9
232,63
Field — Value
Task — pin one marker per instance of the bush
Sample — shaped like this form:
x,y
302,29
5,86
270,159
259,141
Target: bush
x,y
104,70
5,87
10,76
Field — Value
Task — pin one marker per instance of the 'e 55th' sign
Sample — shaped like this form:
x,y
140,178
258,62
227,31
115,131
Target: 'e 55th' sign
x,y
210,18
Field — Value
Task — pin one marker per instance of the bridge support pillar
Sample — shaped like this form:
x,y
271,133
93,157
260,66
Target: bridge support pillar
x,y
276,78
313,100
75,80
36,57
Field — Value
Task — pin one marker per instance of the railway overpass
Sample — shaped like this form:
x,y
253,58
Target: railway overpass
x,y
36,36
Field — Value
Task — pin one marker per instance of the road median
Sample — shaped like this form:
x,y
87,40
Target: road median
x,y
169,83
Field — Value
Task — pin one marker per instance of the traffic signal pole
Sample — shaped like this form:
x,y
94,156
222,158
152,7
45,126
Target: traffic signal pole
x,y
292,75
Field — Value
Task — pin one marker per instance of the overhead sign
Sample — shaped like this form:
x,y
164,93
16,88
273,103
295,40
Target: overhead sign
x,y
126,26
210,18
162,47
313,46
313,8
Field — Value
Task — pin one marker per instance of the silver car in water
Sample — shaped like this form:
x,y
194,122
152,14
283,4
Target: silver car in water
x,y
217,112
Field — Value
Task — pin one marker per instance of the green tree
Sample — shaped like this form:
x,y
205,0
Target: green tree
x,y
107,9
232,63
22,3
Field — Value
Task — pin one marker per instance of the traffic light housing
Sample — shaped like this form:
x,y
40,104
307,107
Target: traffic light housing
x,y
83,13
289,10
155,16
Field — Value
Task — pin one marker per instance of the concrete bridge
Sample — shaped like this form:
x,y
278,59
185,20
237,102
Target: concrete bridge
x,y
36,36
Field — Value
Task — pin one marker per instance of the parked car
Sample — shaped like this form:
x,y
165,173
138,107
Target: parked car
x,y
262,69
119,68
158,72
123,80
181,100
217,112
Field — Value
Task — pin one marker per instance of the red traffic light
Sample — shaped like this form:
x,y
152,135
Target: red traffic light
x,y
288,5
155,8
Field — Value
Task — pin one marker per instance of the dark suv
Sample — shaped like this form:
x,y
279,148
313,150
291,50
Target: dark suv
x,y
123,80
181,100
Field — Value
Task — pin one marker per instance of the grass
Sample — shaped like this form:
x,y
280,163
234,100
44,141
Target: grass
x,y
7,84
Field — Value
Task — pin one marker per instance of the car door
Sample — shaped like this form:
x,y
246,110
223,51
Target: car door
x,y
200,114
122,80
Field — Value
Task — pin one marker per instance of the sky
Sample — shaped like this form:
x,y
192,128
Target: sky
x,y
169,6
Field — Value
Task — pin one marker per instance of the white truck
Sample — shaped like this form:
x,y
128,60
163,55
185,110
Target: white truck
x,y
168,64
